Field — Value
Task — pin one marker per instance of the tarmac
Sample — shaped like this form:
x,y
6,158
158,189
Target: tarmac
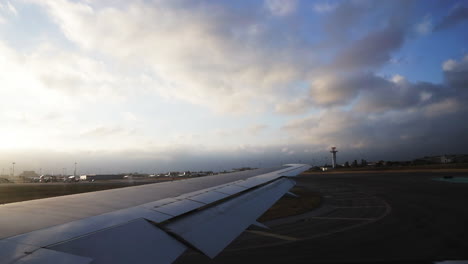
x,y
407,217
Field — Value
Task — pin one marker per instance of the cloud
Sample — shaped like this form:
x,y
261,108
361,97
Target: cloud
x,y
445,107
129,116
391,114
281,7
433,127
398,94
425,26
215,58
336,90
366,92
9,8
372,50
156,74
102,131
458,15
295,106
324,7
194,56
341,19
456,74
52,95
257,129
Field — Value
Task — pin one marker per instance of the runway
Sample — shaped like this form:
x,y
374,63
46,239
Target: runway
x,y
374,217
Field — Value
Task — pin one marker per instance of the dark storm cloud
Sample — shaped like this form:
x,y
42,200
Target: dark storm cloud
x,y
458,15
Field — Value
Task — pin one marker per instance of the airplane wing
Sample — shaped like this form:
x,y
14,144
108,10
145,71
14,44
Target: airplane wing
x,y
153,223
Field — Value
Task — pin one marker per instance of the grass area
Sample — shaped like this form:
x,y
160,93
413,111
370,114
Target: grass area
x,y
10,193
289,206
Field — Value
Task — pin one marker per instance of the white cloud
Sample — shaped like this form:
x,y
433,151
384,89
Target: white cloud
x,y
9,8
194,56
50,95
12,9
456,73
398,79
449,65
294,106
281,7
129,116
257,129
453,65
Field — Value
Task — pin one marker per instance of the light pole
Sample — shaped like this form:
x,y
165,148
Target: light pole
x,y
74,172
13,169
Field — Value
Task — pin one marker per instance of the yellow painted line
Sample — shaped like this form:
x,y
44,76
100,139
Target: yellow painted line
x,y
262,233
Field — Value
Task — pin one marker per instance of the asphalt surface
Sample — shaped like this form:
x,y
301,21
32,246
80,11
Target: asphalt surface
x,y
367,218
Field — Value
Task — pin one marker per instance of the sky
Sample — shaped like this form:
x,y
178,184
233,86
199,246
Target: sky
x,y
152,86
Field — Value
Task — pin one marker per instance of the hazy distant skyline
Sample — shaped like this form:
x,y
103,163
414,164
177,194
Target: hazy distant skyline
x,y
159,85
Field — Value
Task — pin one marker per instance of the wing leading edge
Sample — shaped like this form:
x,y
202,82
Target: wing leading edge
x,y
158,231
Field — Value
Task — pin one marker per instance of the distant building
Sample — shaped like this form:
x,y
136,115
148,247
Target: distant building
x,y
29,174
443,159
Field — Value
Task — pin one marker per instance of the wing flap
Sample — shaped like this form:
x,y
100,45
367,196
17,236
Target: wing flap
x,y
59,233
212,229
19,253
137,241
45,256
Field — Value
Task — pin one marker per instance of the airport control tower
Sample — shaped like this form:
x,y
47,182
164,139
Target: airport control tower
x,y
333,151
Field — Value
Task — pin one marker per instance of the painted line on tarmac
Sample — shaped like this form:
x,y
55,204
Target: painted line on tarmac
x,y
341,218
353,198
388,210
358,207
267,234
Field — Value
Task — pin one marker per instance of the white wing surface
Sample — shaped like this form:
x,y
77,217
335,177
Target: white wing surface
x,y
152,223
